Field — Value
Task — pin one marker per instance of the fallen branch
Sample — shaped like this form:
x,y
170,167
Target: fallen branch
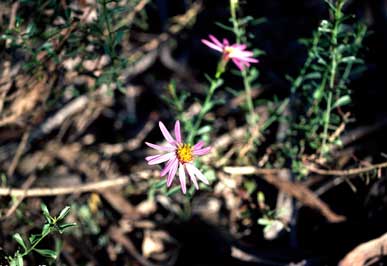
x,y
296,190
44,192
355,171
367,253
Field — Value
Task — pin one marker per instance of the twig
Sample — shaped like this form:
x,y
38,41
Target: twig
x,y
355,171
19,153
130,17
182,21
297,190
46,192
12,18
27,184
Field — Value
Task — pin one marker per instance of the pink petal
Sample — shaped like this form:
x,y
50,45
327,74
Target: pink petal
x,y
172,172
238,64
251,60
166,134
243,54
160,148
213,46
200,152
246,59
239,46
178,132
192,176
152,157
182,179
191,168
215,40
225,42
167,167
198,145
162,158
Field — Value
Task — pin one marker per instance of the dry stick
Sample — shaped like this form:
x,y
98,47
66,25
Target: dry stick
x,y
367,253
355,171
12,19
27,184
298,191
72,160
129,19
182,21
19,153
45,192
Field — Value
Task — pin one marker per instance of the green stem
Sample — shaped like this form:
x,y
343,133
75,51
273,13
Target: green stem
x,y
333,72
108,26
326,122
205,107
249,99
25,253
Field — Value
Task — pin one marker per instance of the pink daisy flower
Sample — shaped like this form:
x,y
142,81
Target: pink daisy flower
x,y
179,157
237,52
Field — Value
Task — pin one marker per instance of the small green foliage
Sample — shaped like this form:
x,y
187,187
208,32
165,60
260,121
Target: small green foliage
x,y
320,91
52,224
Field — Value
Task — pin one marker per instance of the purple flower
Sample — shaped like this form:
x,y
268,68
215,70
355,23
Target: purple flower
x,y
179,157
237,52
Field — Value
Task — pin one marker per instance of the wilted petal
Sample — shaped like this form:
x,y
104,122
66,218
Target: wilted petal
x,y
166,134
172,172
161,158
178,132
182,179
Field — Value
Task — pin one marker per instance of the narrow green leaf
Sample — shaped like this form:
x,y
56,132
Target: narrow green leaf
x,y
344,100
64,226
33,238
47,253
204,130
263,221
19,240
63,213
173,191
46,229
160,184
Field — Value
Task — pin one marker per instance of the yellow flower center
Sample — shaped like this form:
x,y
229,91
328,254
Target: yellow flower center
x,y
228,50
184,153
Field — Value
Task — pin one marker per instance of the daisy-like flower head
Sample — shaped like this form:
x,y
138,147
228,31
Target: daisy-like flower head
x,y
236,52
179,157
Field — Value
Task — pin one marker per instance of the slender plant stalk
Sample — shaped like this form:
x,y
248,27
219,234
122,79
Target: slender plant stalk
x,y
206,105
28,251
333,72
246,83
